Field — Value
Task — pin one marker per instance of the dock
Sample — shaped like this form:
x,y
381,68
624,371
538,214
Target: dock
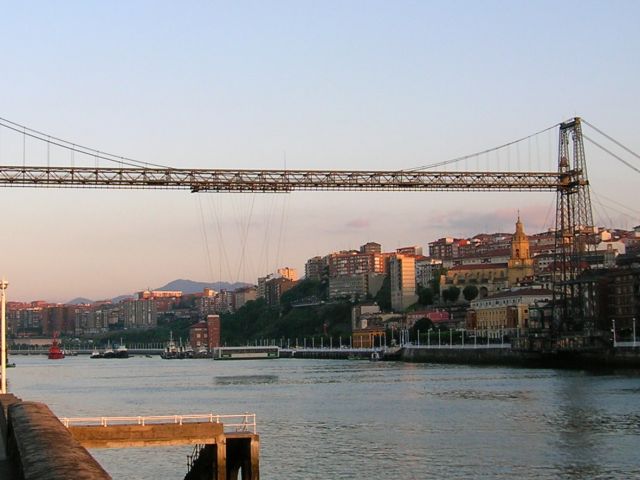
x,y
37,445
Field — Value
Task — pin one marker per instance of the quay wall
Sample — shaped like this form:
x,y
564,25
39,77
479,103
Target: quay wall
x,y
590,359
335,353
40,447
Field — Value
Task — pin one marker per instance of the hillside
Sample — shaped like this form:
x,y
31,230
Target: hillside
x,y
190,286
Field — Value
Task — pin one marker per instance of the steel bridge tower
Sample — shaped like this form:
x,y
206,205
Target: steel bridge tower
x,y
575,233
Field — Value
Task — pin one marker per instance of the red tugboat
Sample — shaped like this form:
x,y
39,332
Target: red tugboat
x,y
55,352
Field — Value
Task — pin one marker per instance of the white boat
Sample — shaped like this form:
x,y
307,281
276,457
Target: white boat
x,y
202,352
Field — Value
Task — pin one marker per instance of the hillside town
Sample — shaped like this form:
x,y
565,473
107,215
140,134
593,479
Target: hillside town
x,y
487,282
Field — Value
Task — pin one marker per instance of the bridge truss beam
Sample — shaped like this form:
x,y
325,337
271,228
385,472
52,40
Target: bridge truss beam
x,y
227,180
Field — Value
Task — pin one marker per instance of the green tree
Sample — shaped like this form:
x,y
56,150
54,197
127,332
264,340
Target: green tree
x,y
470,292
435,282
422,325
305,289
451,294
425,296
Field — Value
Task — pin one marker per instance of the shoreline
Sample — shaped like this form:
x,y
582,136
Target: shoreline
x,y
601,359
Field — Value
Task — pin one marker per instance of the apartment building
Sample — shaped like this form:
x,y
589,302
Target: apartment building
x,y
402,275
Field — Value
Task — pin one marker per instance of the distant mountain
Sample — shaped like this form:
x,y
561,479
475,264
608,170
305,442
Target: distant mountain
x,y
189,286
120,298
79,301
184,286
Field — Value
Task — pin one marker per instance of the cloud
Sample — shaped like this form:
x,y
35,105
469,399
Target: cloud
x,y
358,223
468,223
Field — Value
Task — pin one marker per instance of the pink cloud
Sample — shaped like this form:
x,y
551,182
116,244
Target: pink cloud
x,y
358,223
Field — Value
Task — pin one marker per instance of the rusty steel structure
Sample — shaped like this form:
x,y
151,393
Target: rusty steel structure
x,y
574,228
574,218
269,181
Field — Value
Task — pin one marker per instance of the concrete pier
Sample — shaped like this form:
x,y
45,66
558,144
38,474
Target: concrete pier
x,y
41,448
589,359
220,456
36,445
128,436
7,469
237,458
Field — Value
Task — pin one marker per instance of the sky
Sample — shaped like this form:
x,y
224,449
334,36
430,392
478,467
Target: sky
x,y
297,85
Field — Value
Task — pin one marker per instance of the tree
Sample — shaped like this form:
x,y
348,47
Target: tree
x,y
470,292
435,282
305,289
451,294
422,325
425,296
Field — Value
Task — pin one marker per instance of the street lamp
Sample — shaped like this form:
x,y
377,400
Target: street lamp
x,y
3,336
429,338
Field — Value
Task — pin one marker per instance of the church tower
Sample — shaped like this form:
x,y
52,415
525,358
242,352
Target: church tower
x,y
520,264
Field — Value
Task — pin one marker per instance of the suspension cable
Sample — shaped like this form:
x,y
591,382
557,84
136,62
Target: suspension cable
x,y
612,139
73,147
622,205
632,167
477,154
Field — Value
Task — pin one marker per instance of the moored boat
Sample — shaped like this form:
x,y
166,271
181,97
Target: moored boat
x,y
122,351
55,352
202,352
171,350
188,351
108,351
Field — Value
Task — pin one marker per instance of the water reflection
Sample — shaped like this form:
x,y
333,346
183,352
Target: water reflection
x,y
361,420
245,379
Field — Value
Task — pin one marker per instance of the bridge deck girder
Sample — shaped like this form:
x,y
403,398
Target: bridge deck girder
x,y
227,180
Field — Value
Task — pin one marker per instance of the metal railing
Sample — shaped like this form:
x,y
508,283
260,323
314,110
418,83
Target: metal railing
x,y
193,458
242,422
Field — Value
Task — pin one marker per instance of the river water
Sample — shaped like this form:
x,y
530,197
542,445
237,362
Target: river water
x,y
340,419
